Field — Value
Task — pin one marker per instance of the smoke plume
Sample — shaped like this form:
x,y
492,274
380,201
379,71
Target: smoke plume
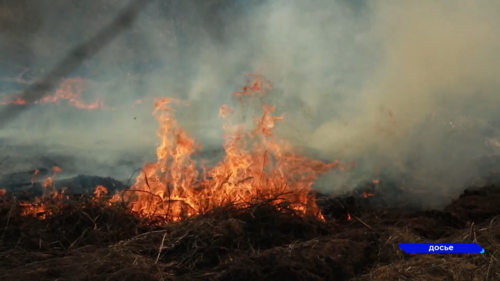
x,y
412,84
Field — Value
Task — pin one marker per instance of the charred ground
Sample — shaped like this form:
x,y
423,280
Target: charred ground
x,y
89,239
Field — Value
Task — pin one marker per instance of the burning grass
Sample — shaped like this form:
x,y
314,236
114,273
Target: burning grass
x,y
256,165
251,217
94,234
267,239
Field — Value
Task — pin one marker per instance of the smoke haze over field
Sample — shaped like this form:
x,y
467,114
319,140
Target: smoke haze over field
x,y
411,83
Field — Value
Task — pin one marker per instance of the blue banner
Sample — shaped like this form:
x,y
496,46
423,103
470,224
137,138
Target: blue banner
x,y
440,248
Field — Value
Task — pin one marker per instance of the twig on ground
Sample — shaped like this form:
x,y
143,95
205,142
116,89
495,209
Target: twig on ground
x,y
470,231
362,222
124,242
161,248
489,266
7,225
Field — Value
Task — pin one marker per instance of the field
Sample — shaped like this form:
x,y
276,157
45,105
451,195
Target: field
x,y
89,239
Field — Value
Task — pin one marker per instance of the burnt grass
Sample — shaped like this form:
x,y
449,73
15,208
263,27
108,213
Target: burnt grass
x,y
92,240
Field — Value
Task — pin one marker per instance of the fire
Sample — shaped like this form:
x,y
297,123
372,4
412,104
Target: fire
x,y
257,165
33,177
36,208
368,194
49,189
50,195
70,91
100,190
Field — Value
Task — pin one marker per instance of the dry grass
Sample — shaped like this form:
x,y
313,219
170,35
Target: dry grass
x,y
431,267
91,240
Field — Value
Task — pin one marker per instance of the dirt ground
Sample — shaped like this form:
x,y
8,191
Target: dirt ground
x,y
94,241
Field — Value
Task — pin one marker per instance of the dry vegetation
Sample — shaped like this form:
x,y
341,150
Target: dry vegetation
x,y
90,240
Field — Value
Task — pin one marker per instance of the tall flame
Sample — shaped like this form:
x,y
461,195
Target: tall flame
x,y
257,165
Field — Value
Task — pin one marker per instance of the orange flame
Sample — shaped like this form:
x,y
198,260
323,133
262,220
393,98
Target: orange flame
x,y
34,209
70,91
39,206
34,176
256,165
100,190
55,170
49,184
367,194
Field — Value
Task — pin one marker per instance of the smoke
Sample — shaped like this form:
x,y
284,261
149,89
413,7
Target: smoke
x,y
409,83
429,104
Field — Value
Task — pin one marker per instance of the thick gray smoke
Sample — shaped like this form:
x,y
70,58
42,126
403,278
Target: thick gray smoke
x,y
410,83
